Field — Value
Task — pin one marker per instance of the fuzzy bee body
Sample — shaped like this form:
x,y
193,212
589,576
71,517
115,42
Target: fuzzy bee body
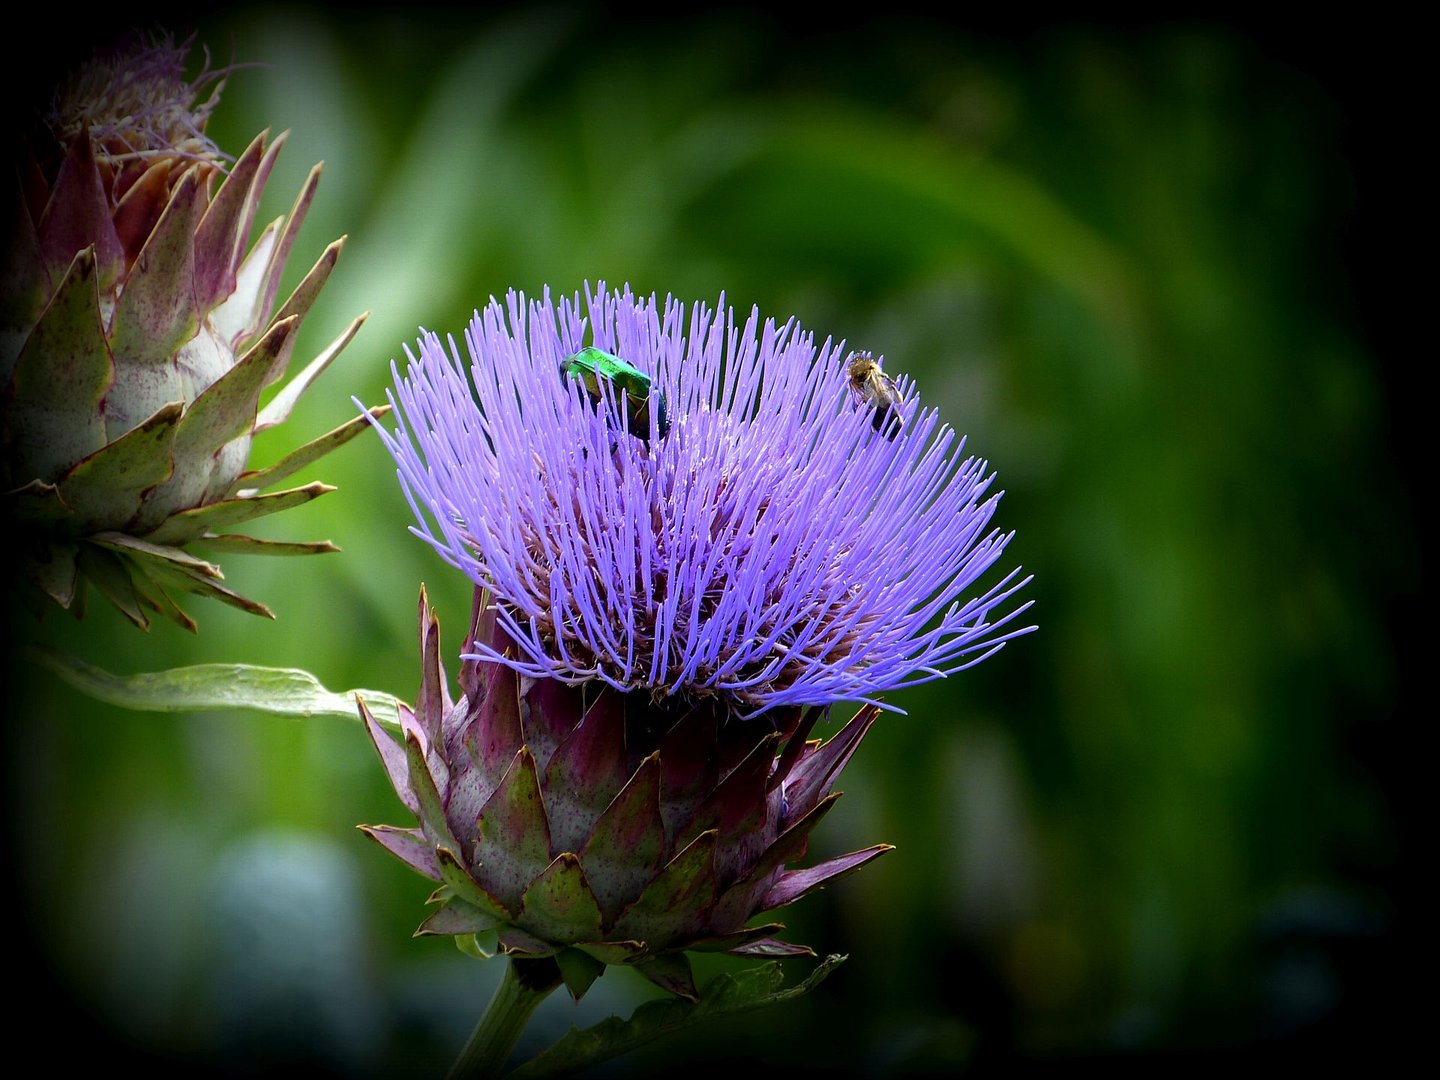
x,y
590,365
872,387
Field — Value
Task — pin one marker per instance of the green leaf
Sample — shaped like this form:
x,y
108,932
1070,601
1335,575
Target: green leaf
x,y
724,995
281,691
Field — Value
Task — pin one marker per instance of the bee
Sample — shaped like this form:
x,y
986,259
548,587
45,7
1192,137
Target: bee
x,y
590,365
871,386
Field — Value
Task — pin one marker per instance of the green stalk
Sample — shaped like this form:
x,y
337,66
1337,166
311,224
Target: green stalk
x,y
525,985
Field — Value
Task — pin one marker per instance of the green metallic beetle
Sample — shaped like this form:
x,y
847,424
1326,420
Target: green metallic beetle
x,y
590,365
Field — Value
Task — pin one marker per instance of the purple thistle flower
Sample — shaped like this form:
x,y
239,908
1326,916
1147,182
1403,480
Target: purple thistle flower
x,y
767,543
771,549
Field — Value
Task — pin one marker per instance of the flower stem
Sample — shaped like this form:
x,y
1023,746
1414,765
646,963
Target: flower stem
x,y
525,985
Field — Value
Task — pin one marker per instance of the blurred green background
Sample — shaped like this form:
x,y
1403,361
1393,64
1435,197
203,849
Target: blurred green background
x,y
1130,262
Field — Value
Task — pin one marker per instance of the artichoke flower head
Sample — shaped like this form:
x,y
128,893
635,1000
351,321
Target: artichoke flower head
x,y
138,332
689,540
